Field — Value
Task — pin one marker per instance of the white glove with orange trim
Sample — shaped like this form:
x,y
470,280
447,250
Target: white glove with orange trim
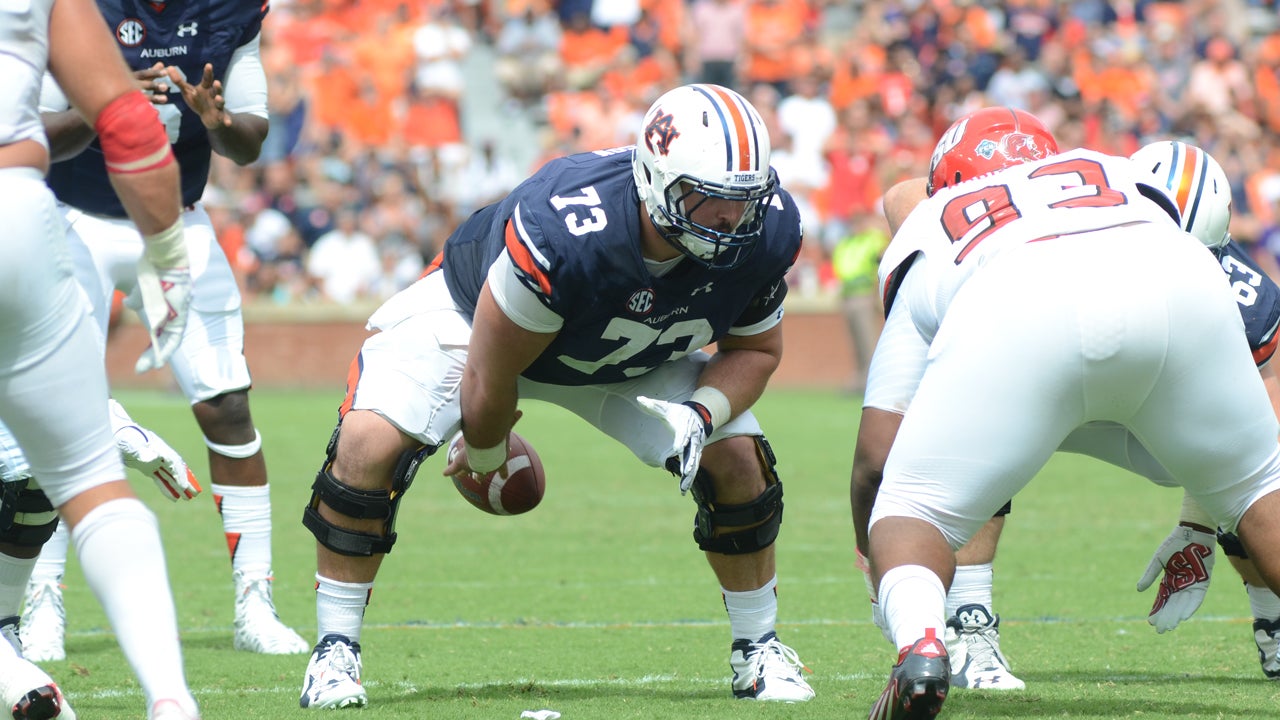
x,y
145,452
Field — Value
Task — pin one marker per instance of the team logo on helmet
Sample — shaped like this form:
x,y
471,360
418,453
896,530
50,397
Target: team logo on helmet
x,y
1021,147
660,132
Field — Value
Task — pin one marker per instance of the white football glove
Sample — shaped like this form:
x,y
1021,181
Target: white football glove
x,y
147,453
691,432
164,284
1186,557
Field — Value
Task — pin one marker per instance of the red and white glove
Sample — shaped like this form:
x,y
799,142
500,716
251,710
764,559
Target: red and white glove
x,y
164,284
147,453
1186,558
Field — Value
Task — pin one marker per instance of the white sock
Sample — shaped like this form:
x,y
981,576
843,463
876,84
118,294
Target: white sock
x,y
52,564
340,607
14,573
752,613
118,544
246,520
913,600
1264,603
972,585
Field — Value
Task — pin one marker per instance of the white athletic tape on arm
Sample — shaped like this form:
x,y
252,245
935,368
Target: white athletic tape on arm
x,y
1194,514
715,402
484,460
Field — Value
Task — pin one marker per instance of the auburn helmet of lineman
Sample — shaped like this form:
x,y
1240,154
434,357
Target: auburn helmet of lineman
x,y
699,142
1194,183
987,140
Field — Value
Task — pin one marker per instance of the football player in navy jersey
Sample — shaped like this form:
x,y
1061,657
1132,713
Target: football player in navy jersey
x,y
199,62
592,286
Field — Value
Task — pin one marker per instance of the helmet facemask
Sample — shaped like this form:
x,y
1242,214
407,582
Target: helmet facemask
x,y
710,246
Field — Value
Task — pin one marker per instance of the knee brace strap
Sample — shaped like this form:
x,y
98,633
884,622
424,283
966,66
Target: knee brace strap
x,y
1231,545
27,518
239,452
764,514
359,503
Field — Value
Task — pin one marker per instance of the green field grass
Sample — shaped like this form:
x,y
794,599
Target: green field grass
x,y
598,604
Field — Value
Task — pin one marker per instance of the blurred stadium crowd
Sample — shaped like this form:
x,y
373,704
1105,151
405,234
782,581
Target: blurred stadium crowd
x,y
371,161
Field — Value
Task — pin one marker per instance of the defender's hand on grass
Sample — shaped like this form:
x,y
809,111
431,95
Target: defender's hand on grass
x,y
1186,558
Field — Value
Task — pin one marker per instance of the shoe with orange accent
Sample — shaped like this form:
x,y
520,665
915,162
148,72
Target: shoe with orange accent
x,y
258,628
918,684
768,670
26,691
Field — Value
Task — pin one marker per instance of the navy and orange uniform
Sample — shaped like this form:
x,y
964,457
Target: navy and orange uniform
x,y
1258,298
182,33
572,231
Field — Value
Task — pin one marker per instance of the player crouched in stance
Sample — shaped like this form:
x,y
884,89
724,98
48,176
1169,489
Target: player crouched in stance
x,y
1009,217
591,286
1197,186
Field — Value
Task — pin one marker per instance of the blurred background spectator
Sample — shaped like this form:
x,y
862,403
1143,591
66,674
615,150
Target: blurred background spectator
x,y
394,119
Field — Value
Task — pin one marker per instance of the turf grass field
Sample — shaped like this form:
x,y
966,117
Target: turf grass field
x,y
598,605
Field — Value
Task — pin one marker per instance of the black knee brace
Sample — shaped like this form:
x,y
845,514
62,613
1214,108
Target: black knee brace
x,y
359,504
1231,545
27,518
763,515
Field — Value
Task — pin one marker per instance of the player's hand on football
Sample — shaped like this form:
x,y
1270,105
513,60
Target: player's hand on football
x,y
457,461
690,434
205,97
1186,559
149,454
166,298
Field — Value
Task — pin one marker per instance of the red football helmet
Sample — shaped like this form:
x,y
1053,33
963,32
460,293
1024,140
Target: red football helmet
x,y
987,140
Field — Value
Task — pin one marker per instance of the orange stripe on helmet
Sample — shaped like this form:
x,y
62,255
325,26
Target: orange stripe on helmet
x,y
739,126
1187,181
523,259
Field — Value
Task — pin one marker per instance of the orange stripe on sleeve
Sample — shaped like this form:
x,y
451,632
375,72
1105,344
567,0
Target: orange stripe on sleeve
x,y
740,127
523,259
1264,353
436,262
353,378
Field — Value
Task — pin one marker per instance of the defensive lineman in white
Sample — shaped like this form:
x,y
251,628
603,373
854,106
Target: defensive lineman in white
x,y
54,384
1018,272
212,96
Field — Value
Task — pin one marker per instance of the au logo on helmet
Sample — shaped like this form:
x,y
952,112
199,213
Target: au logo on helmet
x,y
660,132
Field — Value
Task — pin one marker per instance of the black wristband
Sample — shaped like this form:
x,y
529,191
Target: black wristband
x,y
703,414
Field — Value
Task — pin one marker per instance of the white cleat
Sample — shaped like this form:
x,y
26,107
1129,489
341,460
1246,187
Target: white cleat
x,y
26,691
973,642
44,622
768,670
169,709
333,675
258,627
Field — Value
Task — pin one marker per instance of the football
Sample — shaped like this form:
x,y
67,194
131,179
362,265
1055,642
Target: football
x,y
519,492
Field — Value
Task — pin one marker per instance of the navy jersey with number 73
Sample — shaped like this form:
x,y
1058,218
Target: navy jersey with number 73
x,y
573,232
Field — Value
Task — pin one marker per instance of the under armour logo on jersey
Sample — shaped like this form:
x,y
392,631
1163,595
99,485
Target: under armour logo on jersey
x,y
660,132
704,289
641,302
187,29
131,32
